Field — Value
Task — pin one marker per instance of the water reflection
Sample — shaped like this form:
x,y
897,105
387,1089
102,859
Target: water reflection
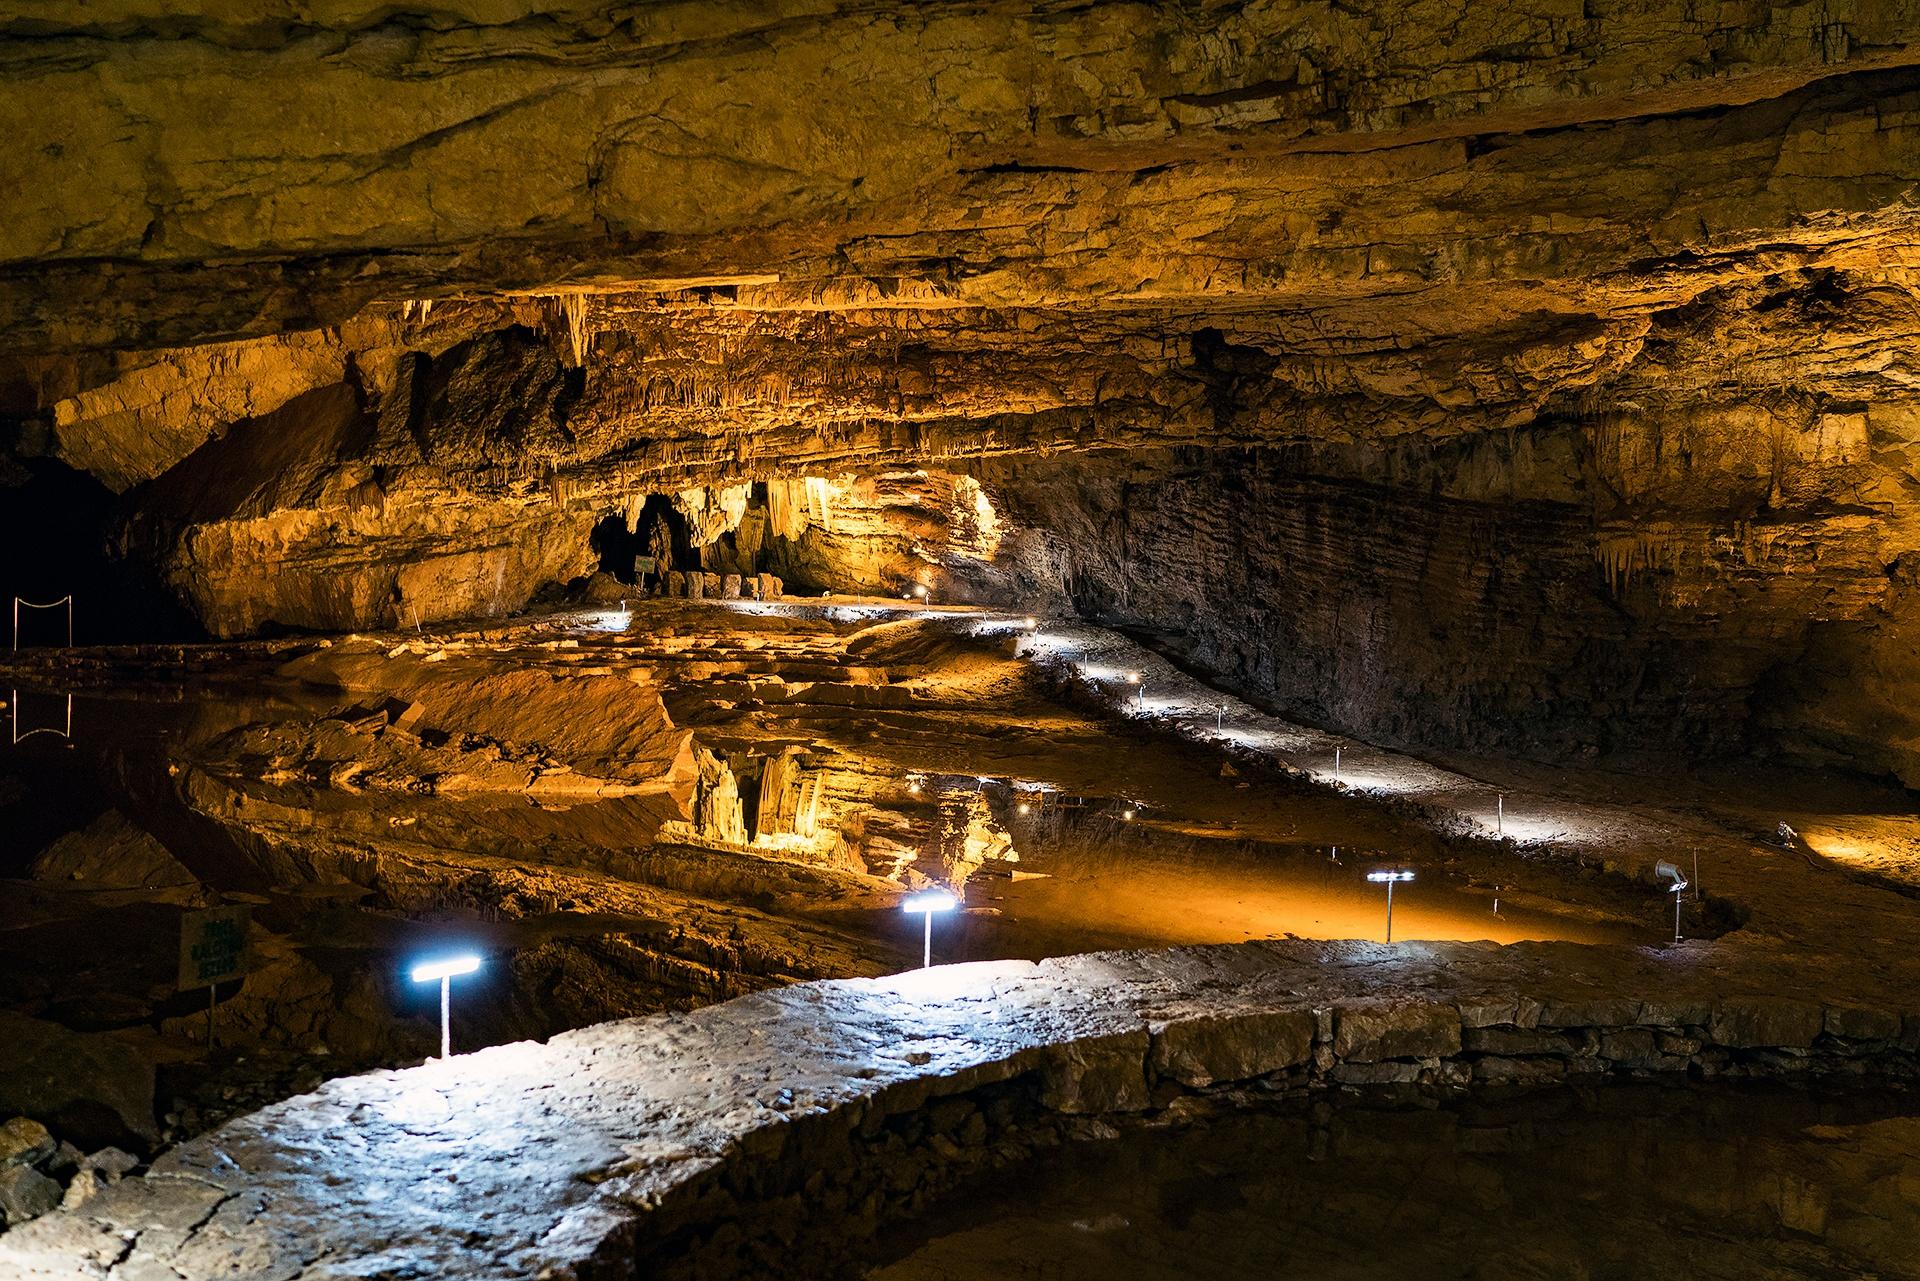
x,y
1617,1182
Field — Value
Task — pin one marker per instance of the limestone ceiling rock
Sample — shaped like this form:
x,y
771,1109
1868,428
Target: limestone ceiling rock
x,y
220,170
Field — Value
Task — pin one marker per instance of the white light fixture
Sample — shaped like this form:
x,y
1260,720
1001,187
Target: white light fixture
x,y
1031,622
444,970
1389,879
927,902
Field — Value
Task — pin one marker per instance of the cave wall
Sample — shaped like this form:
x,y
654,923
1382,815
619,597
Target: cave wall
x,y
1500,593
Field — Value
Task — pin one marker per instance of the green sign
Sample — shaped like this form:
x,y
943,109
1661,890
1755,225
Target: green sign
x,y
213,945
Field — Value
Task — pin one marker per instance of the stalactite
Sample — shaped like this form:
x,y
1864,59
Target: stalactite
x,y
568,312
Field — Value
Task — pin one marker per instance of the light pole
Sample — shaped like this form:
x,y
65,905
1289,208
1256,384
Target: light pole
x,y
1336,767
444,970
1663,871
1388,878
927,902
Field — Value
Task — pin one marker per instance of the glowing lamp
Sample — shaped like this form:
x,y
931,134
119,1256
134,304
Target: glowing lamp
x,y
444,970
926,903
1133,678
1031,622
1389,879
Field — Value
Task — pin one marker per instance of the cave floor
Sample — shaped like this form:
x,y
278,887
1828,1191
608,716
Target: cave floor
x,y
536,805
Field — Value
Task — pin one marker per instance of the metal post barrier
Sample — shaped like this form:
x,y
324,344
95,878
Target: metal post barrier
x,y
66,600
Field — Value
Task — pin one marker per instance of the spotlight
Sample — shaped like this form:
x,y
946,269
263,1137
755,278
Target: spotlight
x,y
1127,815
927,902
1031,623
1133,678
1024,807
1389,878
444,970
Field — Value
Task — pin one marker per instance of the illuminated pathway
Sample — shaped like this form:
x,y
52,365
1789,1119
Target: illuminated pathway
x,y
1168,697
558,1159
580,1155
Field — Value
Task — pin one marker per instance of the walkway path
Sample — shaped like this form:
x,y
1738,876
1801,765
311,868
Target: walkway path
x,y
565,1159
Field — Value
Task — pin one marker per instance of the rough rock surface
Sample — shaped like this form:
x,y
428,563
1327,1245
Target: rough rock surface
x,y
1605,307
92,1087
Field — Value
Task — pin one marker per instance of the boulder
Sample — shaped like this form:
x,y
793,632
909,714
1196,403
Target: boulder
x,y
80,1190
696,586
111,853
710,586
730,587
93,1087
1097,1074
1766,1021
25,1193
24,1141
1238,1047
112,1164
1396,1032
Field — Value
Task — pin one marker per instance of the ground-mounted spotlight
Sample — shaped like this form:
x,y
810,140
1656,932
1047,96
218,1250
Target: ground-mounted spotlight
x,y
1030,622
1389,879
926,903
445,969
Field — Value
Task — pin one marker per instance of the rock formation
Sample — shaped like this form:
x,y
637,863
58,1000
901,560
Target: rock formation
x,y
1532,379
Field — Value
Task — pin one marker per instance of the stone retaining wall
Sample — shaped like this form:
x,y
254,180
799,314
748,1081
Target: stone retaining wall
x,y
809,1199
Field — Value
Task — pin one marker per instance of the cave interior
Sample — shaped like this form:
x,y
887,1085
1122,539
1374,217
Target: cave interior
x,y
634,491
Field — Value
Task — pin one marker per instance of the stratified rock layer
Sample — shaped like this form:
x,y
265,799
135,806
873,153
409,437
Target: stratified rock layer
x,y
1531,377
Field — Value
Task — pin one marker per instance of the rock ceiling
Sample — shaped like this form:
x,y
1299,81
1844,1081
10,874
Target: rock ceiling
x,y
330,286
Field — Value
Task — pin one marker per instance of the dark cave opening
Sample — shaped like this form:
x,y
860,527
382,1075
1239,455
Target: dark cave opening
x,y
65,522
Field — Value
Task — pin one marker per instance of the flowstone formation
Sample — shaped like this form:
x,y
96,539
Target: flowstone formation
x,y
1532,379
